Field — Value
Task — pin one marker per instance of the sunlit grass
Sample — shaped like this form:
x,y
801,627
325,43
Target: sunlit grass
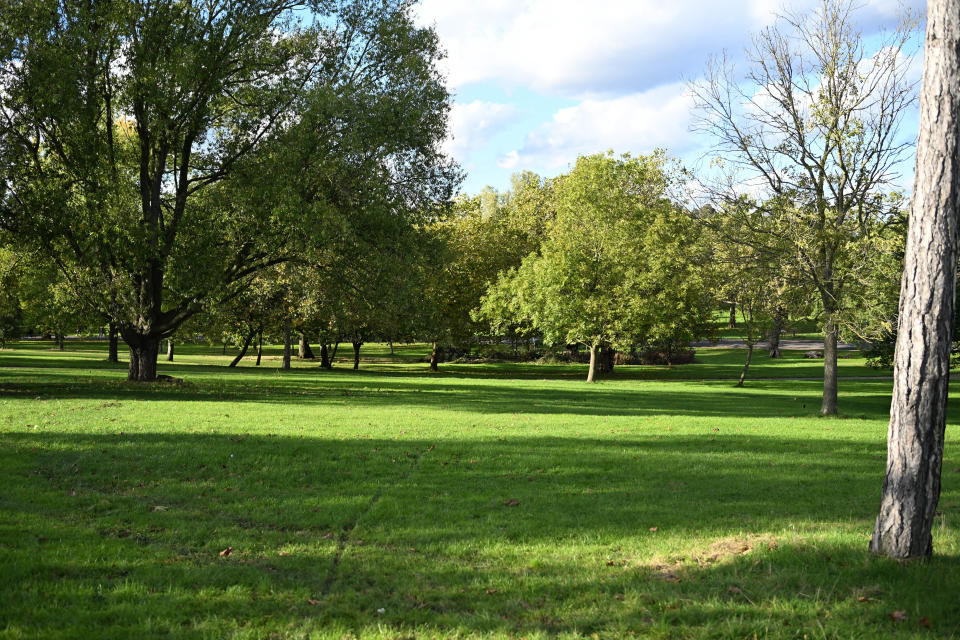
x,y
499,501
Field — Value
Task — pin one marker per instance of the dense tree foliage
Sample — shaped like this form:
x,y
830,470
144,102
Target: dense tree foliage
x,y
617,267
139,136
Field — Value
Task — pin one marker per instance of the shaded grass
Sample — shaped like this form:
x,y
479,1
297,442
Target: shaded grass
x,y
648,508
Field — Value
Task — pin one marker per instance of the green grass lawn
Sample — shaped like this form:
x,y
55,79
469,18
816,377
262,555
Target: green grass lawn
x,y
487,501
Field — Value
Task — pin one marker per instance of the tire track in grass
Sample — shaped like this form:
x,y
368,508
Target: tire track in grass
x,y
344,539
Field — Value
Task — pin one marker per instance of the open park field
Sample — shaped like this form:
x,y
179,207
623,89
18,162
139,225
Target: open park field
x,y
484,501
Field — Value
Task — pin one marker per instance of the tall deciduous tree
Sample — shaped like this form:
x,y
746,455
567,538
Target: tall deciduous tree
x,y
127,126
813,126
616,267
911,487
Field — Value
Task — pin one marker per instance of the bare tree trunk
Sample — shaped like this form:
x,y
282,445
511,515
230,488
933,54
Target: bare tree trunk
x,y
243,349
775,333
390,342
259,344
592,371
113,355
305,352
732,322
746,365
434,357
286,346
828,406
911,487
325,361
143,358
169,350
60,340
356,354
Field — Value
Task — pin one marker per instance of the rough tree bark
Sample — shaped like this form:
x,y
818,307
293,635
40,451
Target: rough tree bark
x,y
911,487
113,355
434,357
143,358
732,322
169,350
356,354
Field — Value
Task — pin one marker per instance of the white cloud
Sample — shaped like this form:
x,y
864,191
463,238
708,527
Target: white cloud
x,y
638,123
567,47
473,123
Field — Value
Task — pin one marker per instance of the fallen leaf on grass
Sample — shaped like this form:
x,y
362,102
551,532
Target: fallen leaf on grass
x,y
313,602
654,529
618,596
512,503
490,592
925,622
159,507
734,590
898,616
863,599
226,552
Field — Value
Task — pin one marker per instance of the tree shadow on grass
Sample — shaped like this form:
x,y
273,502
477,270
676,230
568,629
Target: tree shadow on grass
x,y
513,536
766,399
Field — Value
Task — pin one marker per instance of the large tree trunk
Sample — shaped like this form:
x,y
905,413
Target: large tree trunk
x,y
828,407
435,357
325,361
259,344
305,352
746,365
169,350
286,346
356,355
732,322
911,487
775,332
592,371
243,349
143,358
113,354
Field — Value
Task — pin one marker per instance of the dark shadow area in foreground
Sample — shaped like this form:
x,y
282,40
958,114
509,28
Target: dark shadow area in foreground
x,y
126,533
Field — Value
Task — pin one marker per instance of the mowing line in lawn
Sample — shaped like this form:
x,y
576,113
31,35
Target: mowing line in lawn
x,y
348,529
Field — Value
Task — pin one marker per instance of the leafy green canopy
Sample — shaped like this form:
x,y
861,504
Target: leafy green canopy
x,y
164,153
618,264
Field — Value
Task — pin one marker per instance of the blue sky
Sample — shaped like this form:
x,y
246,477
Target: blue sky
x,y
537,82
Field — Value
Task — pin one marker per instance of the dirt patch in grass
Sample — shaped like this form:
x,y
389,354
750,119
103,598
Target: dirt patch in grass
x,y
672,569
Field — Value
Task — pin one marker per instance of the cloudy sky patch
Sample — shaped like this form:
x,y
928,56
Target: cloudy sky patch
x,y
537,82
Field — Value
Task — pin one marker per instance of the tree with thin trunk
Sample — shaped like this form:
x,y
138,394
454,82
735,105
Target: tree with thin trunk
x,y
808,141
911,487
113,353
287,346
243,348
169,350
